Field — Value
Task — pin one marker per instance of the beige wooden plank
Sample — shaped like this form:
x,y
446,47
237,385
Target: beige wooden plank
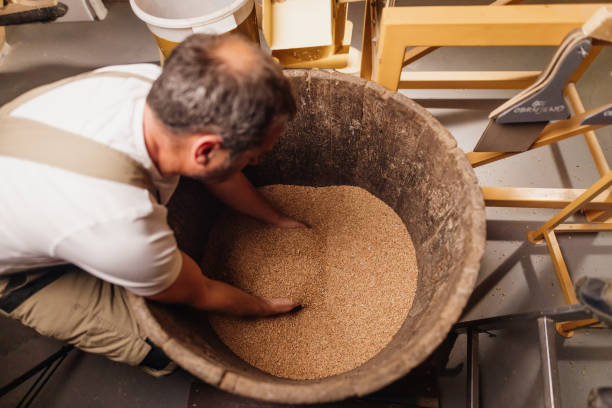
x,y
567,287
600,227
467,79
579,203
540,197
402,27
566,329
599,216
416,53
298,24
486,26
599,26
365,71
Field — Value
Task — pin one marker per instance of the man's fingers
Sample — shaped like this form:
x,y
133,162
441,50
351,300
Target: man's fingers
x,y
281,305
298,224
290,223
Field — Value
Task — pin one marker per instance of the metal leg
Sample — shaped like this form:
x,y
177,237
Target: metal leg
x,y
548,357
546,333
472,369
44,366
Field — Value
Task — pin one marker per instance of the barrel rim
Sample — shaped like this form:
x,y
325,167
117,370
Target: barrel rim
x,y
336,387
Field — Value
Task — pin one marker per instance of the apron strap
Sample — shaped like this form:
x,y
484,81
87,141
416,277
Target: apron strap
x,y
37,142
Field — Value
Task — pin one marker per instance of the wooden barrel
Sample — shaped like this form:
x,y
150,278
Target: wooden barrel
x,y
347,132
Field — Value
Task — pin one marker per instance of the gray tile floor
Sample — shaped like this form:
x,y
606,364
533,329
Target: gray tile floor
x,y
515,275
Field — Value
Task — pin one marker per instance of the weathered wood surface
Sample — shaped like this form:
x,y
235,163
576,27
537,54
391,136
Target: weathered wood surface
x,y
347,131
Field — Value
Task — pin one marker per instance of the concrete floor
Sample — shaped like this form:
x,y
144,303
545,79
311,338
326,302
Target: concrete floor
x,y
515,275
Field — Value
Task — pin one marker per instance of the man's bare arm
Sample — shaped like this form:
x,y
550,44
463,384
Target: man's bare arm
x,y
194,289
238,193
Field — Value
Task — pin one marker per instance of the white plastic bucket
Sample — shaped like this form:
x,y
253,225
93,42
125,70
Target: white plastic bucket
x,y
171,22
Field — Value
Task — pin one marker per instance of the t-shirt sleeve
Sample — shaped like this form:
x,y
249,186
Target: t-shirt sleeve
x,y
139,253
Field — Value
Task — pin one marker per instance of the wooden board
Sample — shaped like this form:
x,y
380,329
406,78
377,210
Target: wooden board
x,y
467,79
567,287
402,27
540,197
297,23
484,25
599,26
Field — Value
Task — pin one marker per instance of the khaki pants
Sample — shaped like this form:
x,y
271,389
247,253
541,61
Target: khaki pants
x,y
71,305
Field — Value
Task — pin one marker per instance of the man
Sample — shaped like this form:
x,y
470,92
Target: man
x,y
71,244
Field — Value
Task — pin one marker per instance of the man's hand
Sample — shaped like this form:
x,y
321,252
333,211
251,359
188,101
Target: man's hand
x,y
289,223
238,193
192,288
280,305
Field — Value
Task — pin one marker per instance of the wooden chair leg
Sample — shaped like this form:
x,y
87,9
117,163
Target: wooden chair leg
x,y
565,329
567,287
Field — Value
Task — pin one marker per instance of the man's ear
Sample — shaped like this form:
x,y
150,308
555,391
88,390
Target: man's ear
x,y
205,147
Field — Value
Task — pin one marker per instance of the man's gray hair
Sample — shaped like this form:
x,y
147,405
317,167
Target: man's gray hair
x,y
200,90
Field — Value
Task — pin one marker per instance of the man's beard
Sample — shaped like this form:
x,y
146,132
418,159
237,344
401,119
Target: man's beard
x,y
218,175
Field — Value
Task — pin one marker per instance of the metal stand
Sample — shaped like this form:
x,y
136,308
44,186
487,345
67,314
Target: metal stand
x,y
48,367
546,332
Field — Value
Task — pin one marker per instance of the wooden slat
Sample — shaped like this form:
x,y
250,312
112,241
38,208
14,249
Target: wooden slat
x,y
599,216
579,203
583,227
365,71
467,79
417,53
402,27
540,198
566,329
486,26
567,287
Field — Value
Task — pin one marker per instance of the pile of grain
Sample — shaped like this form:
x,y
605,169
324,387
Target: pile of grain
x,y
355,272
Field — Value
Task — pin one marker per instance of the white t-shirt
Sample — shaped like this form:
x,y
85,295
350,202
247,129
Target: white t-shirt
x,y
114,231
